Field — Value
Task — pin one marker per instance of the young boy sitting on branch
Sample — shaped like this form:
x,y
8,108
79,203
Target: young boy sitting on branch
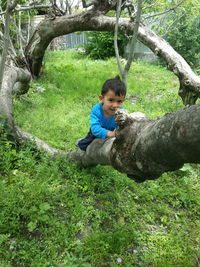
x,y
102,123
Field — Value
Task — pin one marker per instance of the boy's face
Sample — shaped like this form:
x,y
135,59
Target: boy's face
x,y
111,102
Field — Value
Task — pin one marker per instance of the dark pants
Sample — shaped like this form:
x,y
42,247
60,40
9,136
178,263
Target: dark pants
x,y
84,143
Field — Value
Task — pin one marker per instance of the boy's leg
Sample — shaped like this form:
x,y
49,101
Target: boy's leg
x,y
84,143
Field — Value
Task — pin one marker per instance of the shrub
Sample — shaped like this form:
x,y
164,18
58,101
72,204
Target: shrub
x,y
101,45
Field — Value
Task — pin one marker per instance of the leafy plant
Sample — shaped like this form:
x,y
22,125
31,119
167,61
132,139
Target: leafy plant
x,y
182,30
100,45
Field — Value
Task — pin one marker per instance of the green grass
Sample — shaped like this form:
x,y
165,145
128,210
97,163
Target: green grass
x,y
55,213
60,114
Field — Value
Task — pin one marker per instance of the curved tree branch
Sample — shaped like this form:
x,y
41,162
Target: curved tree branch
x,y
22,137
145,148
115,38
47,30
11,78
6,37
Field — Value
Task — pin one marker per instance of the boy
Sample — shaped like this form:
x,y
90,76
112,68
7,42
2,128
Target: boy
x,y
102,123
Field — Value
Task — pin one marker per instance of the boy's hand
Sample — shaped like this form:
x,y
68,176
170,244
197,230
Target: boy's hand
x,y
111,134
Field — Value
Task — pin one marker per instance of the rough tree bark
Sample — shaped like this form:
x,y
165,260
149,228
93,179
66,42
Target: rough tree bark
x,y
15,81
9,8
146,148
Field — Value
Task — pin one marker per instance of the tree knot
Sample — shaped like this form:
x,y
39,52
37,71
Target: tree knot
x,y
123,119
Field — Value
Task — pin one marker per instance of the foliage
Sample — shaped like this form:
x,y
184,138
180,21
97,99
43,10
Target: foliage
x,y
55,213
19,27
180,27
101,45
185,39
182,30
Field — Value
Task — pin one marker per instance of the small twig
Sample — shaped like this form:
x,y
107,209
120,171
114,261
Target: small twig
x,y
131,11
124,73
68,8
28,27
3,19
25,8
149,6
115,37
20,30
169,28
166,11
11,49
36,2
133,42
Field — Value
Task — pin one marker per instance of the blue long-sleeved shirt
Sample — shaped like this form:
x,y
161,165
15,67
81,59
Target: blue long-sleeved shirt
x,y
99,124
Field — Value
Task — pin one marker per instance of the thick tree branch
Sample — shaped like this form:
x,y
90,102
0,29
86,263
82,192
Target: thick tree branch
x,y
99,147
144,148
46,31
9,8
5,43
12,76
23,137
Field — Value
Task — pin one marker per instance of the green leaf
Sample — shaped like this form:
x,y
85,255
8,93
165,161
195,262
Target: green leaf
x,y
32,226
44,206
186,167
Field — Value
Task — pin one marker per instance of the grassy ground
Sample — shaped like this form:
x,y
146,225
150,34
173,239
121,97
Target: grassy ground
x,y
54,213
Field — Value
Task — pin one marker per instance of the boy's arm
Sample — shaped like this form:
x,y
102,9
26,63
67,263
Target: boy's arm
x,y
96,127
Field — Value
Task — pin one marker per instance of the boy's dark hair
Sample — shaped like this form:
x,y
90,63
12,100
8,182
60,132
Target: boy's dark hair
x,y
115,85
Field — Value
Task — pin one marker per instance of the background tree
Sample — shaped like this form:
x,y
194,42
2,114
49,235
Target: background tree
x,y
182,31
135,149
133,41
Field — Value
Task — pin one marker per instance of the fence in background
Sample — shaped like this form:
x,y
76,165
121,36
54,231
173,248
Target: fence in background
x,y
74,40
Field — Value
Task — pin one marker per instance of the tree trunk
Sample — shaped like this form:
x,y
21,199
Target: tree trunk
x,y
48,29
145,148
15,81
